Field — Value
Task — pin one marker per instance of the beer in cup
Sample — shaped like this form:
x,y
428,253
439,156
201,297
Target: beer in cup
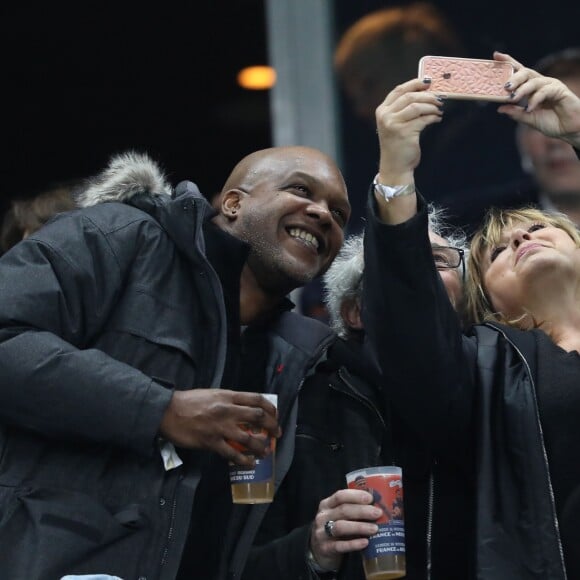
x,y
384,557
255,485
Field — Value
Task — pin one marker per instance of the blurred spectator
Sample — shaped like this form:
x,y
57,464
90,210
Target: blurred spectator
x,y
25,216
311,301
467,160
552,163
378,51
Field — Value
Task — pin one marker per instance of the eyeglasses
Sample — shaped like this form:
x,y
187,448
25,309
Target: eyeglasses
x,y
447,257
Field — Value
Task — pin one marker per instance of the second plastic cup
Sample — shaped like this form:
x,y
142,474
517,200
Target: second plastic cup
x,y
384,557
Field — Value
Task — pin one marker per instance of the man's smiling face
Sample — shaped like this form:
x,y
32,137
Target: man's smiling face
x,y
293,208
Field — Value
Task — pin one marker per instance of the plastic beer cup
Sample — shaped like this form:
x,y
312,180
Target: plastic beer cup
x,y
255,485
384,557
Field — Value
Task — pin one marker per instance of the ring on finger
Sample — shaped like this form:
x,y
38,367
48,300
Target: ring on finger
x,y
329,527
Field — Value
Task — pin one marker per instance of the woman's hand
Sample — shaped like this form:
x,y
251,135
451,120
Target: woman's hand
x,y
400,118
344,523
552,107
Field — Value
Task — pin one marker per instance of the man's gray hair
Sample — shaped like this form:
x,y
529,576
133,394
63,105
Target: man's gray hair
x,y
455,237
343,280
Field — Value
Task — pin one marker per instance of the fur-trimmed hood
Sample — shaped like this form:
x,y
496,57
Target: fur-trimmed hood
x,y
127,175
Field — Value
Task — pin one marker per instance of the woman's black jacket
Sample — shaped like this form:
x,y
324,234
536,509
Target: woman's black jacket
x,y
469,396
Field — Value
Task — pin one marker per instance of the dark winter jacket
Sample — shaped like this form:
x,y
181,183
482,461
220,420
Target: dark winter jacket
x,y
344,423
340,427
102,313
468,396
92,340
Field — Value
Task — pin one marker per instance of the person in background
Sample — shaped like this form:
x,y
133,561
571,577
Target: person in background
x,y
311,301
503,393
344,423
25,216
457,171
122,328
552,163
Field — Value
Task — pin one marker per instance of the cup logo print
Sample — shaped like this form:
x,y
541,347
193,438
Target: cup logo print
x,y
256,485
385,553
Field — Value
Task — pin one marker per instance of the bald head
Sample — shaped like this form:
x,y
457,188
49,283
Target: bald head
x,y
291,206
266,162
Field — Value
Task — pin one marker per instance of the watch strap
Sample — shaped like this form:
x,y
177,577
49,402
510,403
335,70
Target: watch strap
x,y
388,192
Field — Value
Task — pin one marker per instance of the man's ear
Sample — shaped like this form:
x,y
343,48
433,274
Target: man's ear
x,y
350,313
230,203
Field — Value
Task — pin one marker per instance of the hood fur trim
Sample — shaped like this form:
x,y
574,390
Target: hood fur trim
x,y
127,174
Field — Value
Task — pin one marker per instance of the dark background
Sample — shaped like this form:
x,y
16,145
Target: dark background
x,y
81,82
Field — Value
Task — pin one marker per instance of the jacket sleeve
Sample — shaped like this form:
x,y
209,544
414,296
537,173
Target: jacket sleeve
x,y
414,331
56,293
283,558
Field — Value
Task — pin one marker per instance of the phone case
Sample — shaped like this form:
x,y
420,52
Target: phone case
x,y
467,78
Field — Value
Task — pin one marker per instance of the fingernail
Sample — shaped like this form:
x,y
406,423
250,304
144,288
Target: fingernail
x,y
513,95
426,80
508,85
440,99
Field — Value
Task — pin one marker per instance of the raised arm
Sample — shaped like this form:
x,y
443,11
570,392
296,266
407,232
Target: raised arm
x,y
410,322
401,118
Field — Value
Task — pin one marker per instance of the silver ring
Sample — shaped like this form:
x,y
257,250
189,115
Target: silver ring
x,y
328,527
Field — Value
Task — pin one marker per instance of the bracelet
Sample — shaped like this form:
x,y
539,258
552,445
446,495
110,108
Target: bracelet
x,y
315,566
388,192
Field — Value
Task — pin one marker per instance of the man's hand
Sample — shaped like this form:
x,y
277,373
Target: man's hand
x,y
552,107
209,418
353,515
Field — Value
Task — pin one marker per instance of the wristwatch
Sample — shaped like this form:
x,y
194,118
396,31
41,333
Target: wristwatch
x,y
388,192
321,572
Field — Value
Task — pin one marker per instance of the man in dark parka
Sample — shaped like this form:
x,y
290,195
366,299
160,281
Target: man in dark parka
x,y
119,323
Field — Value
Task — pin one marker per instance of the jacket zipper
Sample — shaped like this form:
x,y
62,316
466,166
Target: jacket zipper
x,y
430,506
544,453
169,533
356,395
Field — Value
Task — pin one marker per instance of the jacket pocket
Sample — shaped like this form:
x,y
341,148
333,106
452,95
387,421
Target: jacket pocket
x,y
148,316
53,532
313,437
154,337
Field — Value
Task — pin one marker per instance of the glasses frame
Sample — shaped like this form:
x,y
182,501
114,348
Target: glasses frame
x,y
461,253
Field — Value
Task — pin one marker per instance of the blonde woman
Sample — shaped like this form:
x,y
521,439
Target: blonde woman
x,y
502,398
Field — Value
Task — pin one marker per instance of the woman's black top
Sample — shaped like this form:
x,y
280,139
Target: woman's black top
x,y
558,391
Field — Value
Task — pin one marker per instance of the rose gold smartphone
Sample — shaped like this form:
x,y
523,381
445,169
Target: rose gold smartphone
x,y
467,78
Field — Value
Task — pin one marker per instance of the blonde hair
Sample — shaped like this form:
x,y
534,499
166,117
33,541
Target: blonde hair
x,y
478,304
